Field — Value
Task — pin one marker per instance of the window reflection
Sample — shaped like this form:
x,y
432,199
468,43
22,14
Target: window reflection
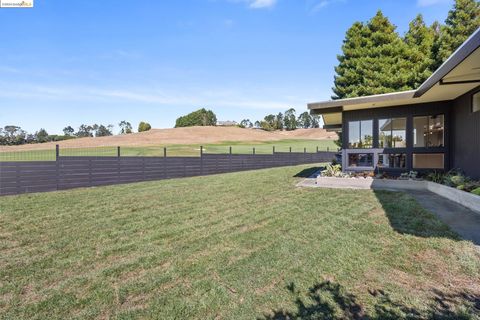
x,y
360,134
428,131
392,160
360,159
392,133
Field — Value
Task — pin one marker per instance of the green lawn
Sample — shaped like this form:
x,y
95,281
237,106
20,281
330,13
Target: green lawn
x,y
244,147
246,245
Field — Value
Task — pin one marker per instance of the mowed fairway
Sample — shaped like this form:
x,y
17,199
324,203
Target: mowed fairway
x,y
188,150
235,246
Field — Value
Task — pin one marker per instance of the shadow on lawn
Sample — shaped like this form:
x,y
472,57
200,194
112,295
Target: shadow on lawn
x,y
329,300
407,216
307,173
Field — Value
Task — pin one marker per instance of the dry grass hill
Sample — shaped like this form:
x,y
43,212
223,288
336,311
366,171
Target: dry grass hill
x,y
190,135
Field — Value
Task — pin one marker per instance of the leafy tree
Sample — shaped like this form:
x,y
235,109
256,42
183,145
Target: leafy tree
x,y
257,124
462,21
102,131
290,119
246,123
68,131
125,127
269,122
84,131
41,136
13,135
305,120
419,39
374,60
201,117
315,121
144,126
265,125
278,124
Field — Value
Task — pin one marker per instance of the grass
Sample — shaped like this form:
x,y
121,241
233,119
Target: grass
x,y
246,245
244,147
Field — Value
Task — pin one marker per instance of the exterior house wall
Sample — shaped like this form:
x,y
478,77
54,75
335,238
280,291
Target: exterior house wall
x,y
408,112
465,139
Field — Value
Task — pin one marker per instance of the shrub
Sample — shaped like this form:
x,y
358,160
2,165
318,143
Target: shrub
x,y
476,191
201,117
436,176
144,126
334,170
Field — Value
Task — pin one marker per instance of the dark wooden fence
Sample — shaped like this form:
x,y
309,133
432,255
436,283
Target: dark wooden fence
x,y
73,172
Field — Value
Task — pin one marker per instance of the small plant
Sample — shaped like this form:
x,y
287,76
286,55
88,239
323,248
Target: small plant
x,y
436,176
476,191
412,175
332,170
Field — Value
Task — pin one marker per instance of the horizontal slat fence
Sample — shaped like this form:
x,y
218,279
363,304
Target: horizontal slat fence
x,y
79,171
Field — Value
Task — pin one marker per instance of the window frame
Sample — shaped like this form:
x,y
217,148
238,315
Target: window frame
x,y
391,119
361,140
472,101
428,116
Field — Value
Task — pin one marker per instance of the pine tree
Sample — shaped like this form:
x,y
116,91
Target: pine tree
x,y
375,60
419,39
461,22
348,74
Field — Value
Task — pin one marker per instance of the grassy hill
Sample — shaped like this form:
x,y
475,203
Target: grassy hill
x,y
179,142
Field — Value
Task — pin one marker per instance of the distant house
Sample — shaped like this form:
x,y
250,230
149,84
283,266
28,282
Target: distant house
x,y
227,123
436,127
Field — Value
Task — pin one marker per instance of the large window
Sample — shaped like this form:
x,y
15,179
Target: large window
x,y
476,102
360,134
428,131
392,160
392,133
360,160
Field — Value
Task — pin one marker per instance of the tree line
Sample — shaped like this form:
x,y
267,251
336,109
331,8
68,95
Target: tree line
x,y
284,121
15,135
375,59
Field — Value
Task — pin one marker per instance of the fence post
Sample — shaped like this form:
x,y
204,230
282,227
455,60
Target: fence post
x,y
273,149
57,166
118,152
290,149
201,160
164,162
328,149
253,151
317,149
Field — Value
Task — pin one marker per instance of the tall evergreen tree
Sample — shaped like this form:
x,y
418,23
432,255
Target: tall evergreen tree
x,y
419,39
374,60
348,74
461,22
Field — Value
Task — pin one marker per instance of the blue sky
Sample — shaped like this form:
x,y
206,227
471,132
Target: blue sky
x,y
73,62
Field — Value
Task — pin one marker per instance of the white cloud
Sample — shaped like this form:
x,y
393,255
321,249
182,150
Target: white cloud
x,y
426,3
258,4
212,97
323,4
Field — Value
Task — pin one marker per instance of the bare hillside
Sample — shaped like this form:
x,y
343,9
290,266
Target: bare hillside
x,y
190,135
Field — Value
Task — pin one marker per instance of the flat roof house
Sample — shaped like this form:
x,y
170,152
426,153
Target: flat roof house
x,y
436,127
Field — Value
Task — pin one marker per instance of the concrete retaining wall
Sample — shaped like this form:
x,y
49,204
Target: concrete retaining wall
x,y
463,198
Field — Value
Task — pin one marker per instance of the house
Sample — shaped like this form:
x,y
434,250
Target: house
x,y
435,127
227,123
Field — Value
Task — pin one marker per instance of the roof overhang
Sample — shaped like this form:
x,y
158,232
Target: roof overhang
x,y
455,77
